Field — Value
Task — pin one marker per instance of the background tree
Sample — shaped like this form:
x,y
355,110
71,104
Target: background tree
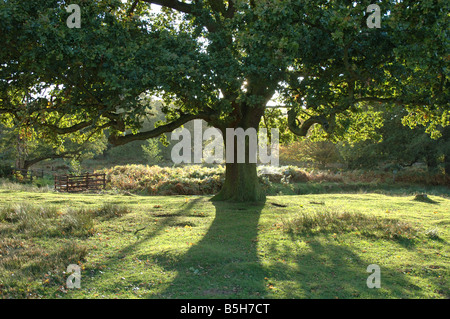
x,y
398,145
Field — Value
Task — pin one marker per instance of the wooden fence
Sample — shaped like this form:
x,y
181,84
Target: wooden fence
x,y
79,183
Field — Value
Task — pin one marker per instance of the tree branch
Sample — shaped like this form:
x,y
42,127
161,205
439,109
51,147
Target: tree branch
x,y
67,130
376,99
302,130
230,10
28,163
169,127
173,4
132,8
187,8
66,154
218,6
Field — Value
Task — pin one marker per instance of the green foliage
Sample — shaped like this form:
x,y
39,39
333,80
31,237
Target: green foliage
x,y
398,145
274,118
320,55
25,148
403,62
75,167
152,151
6,170
319,153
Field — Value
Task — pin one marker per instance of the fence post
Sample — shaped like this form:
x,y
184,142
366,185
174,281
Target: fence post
x,y
87,181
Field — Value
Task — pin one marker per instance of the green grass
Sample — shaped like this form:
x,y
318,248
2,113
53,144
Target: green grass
x,y
296,246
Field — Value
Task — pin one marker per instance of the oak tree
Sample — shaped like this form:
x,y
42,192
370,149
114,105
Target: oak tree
x,y
222,61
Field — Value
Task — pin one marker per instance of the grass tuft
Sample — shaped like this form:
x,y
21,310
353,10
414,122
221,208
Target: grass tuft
x,y
433,233
424,198
111,210
79,223
344,222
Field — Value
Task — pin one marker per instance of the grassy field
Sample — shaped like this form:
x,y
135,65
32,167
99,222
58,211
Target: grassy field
x,y
296,246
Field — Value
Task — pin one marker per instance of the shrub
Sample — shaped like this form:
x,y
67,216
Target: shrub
x,y
6,170
152,151
198,180
189,180
297,175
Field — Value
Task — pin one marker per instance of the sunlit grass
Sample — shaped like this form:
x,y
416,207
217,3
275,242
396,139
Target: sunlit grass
x,y
307,246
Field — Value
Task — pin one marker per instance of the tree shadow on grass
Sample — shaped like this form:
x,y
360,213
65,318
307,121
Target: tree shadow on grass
x,y
115,260
224,263
333,271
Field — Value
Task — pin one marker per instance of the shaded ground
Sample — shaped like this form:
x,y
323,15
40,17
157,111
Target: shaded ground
x,y
190,247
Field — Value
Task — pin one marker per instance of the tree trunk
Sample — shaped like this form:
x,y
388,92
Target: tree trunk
x,y
241,184
432,163
446,147
241,179
21,153
447,163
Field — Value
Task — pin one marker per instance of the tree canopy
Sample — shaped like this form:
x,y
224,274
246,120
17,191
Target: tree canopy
x,y
222,61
